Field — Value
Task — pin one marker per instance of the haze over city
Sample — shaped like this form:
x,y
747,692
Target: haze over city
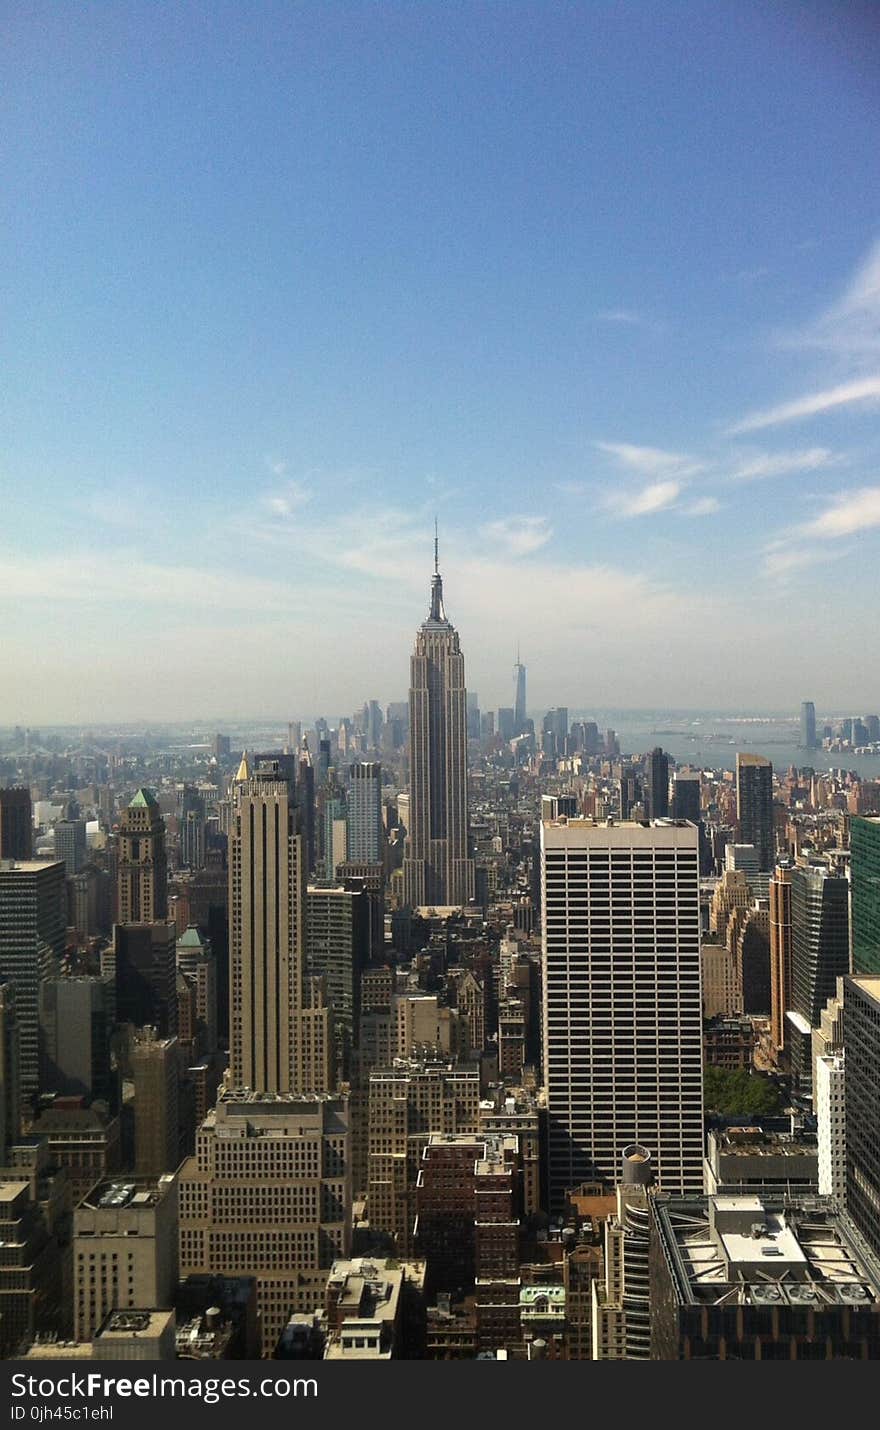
x,y
283,284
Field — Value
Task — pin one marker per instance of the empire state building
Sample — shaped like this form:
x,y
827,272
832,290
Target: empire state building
x,y
437,869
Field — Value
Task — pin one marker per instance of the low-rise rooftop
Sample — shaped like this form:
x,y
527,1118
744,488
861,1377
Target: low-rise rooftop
x,y
761,1249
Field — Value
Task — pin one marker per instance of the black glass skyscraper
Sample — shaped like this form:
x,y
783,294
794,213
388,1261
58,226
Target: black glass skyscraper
x,y
754,806
657,785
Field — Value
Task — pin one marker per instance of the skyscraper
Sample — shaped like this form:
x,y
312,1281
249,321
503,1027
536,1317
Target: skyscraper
x,y
16,824
331,824
155,1071
861,1033
337,951
780,955
32,923
141,865
365,814
10,1095
819,951
76,1020
279,1038
622,1015
70,844
819,937
142,962
808,725
864,838
657,784
754,806
269,1189
686,798
305,799
192,828
519,697
437,869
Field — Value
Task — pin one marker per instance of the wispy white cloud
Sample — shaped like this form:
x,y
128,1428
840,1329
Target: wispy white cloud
x,y
845,394
781,464
785,561
288,499
519,535
816,541
703,506
850,328
655,497
848,331
650,461
850,512
665,473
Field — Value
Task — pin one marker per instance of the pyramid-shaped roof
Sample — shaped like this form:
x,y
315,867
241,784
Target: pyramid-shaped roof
x,y
144,799
191,939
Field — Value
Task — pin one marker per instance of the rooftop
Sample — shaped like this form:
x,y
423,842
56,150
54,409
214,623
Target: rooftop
x,y
191,938
584,822
11,1191
125,1325
366,1294
762,1250
754,1142
869,984
135,1193
28,866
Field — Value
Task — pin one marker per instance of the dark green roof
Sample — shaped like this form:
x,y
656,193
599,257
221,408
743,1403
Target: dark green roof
x,y
144,799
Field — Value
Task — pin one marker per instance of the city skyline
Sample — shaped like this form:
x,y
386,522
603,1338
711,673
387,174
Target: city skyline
x,y
245,370
406,966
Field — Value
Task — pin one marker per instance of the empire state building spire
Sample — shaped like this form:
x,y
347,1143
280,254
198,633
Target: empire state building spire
x,y
438,871
437,613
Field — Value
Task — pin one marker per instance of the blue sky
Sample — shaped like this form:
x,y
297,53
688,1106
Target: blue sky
x,y
599,284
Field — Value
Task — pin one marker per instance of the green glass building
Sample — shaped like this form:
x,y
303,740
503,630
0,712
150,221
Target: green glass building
x,y
865,869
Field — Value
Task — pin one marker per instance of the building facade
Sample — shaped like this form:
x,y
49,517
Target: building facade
x,y
124,1250
364,814
268,1194
819,948
754,806
861,1032
864,840
32,925
622,1015
16,824
830,1097
280,1035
